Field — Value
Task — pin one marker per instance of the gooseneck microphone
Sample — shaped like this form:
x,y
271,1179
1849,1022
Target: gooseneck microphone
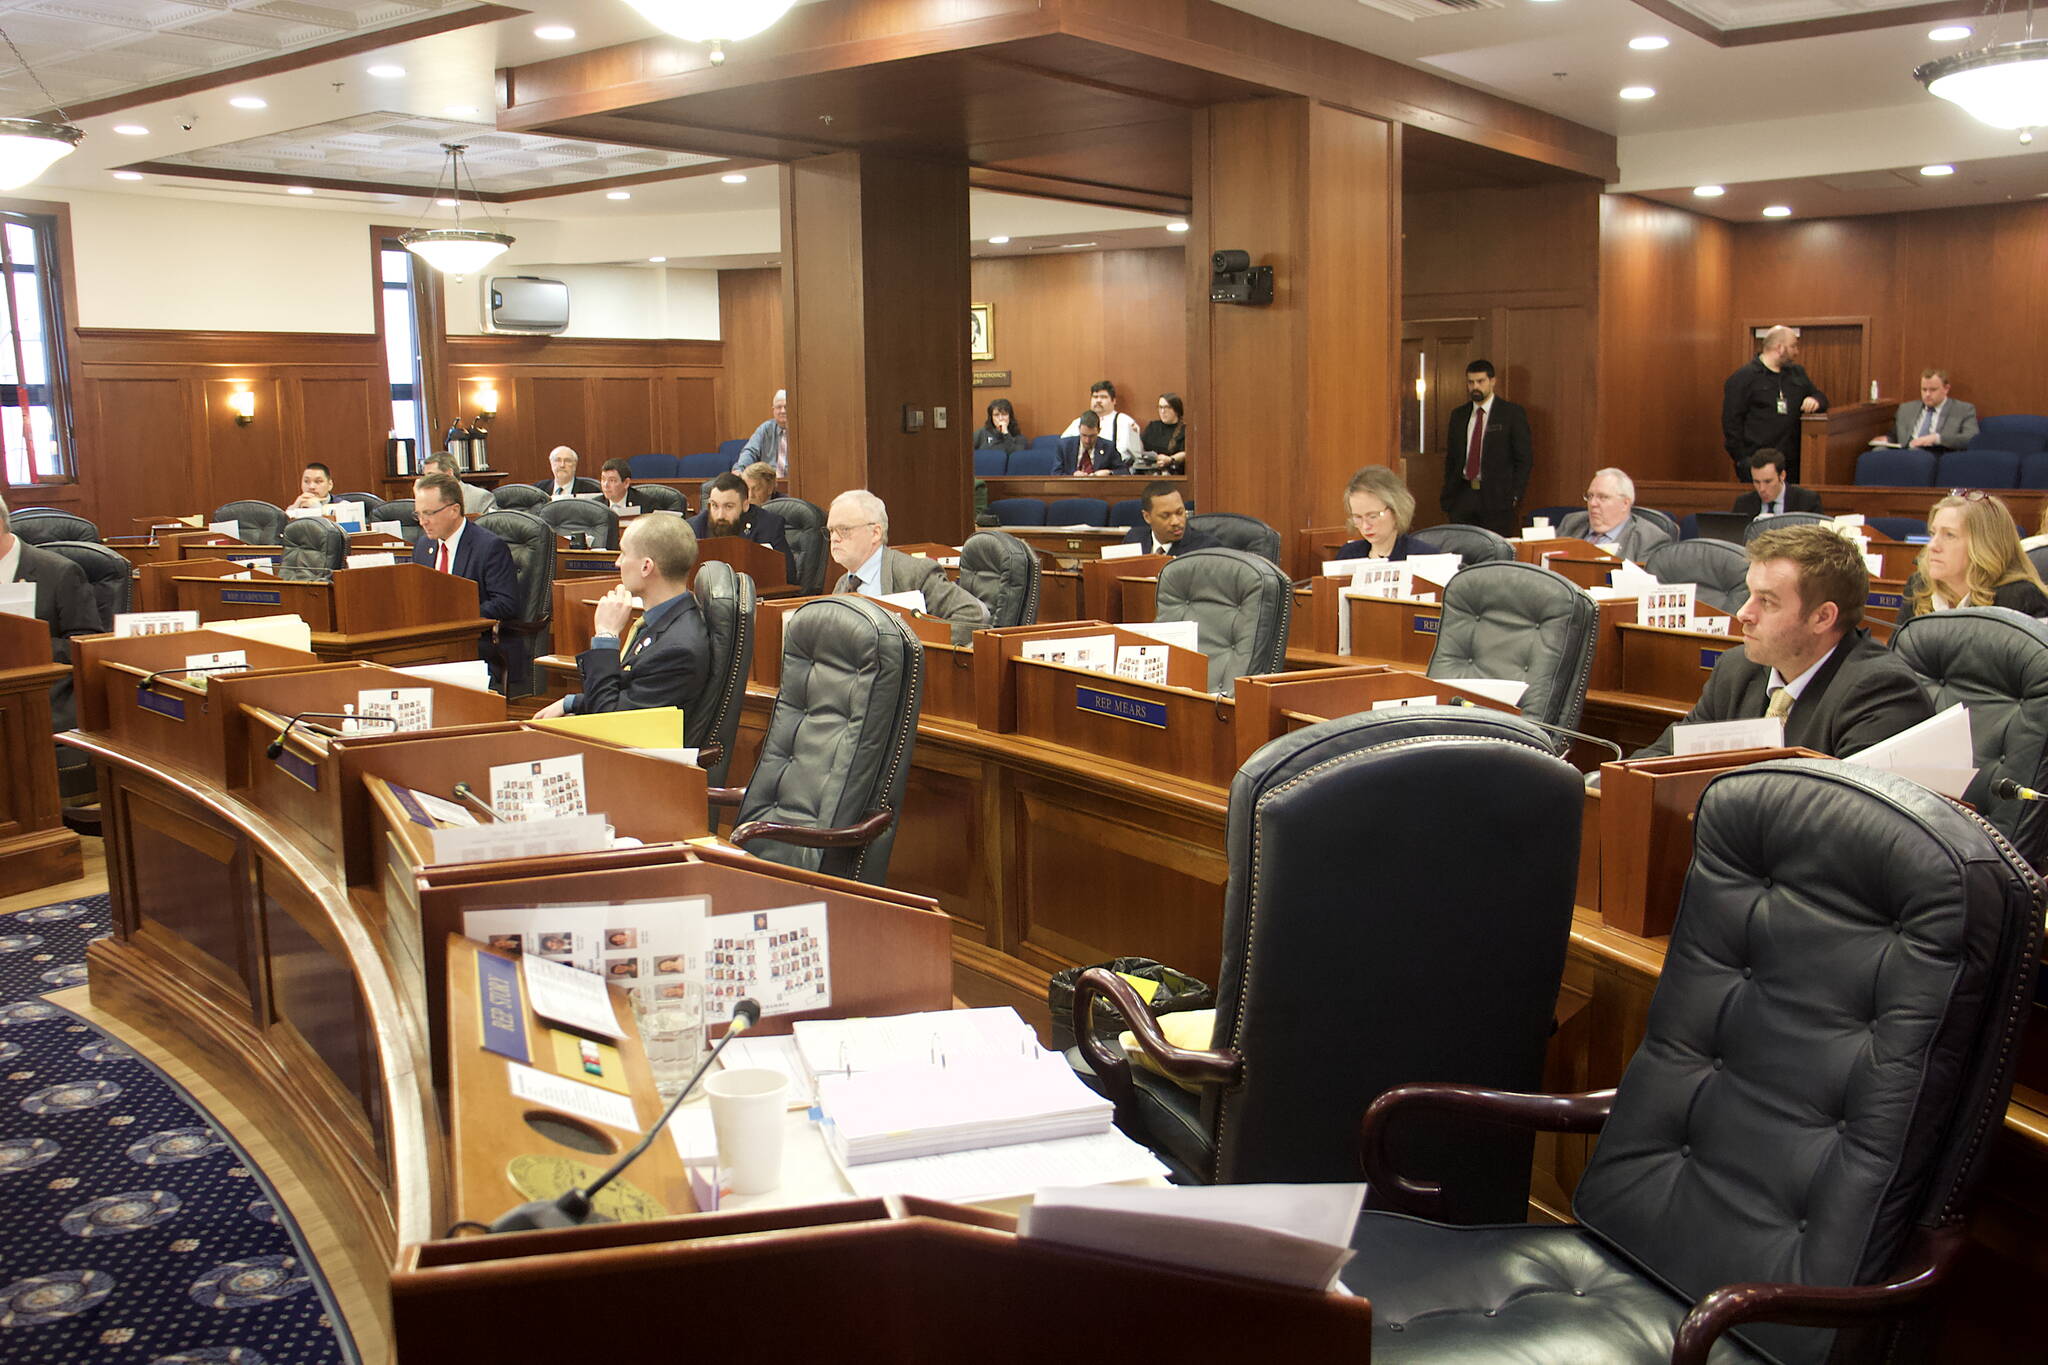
x,y
466,794
143,686
572,1208
2008,790
277,745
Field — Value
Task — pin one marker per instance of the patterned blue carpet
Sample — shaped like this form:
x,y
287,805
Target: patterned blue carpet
x,y
131,1228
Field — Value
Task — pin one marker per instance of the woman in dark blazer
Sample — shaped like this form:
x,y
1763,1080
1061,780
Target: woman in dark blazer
x,y
1973,559
999,431
1378,506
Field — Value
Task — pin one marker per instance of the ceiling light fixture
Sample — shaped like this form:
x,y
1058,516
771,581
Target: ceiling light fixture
x,y
657,260
554,33
456,250
1943,169
385,71
618,194
716,22
1949,33
1638,92
1653,42
127,175
131,130
29,146
733,178
299,189
445,203
1177,225
1777,211
2002,84
1709,191
999,241
460,111
249,102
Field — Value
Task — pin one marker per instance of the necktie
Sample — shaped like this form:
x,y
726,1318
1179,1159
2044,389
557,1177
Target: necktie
x,y
1773,508
1472,450
782,455
1087,465
853,582
632,634
441,556
1781,704
1926,421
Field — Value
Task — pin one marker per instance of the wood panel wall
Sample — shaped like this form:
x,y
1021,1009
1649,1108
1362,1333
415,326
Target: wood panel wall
x,y
750,322
1066,319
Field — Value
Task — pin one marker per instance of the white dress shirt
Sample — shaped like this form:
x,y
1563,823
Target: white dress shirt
x,y
1120,429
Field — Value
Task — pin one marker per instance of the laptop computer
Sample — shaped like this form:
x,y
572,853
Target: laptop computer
x,y
1727,526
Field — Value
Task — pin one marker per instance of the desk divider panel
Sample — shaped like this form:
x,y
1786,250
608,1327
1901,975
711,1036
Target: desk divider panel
x,y
766,567
222,599
1536,551
390,597
1278,703
769,619
1164,728
35,848
207,545
156,582
585,563
1102,588
1667,665
1137,596
1587,571
1059,594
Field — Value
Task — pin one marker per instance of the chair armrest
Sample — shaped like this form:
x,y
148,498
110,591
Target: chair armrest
x,y
1926,1263
722,796
840,836
708,755
1584,1113
1192,1066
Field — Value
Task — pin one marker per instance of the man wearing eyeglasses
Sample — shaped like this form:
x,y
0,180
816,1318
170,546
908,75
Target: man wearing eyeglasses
x,y
449,544
1609,522
858,527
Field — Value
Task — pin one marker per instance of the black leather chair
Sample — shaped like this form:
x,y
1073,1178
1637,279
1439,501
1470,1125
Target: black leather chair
x,y
829,780
1719,569
521,641
1339,983
2038,556
41,525
1003,572
314,548
401,511
1235,531
1519,621
659,497
573,517
257,523
107,572
368,500
518,497
1472,544
805,525
726,599
1828,1051
1762,524
1663,521
1239,603
1995,662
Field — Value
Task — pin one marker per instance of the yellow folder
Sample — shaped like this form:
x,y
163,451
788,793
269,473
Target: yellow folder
x,y
658,728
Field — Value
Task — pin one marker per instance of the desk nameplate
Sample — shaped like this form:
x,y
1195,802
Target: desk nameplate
x,y
174,707
253,596
1134,709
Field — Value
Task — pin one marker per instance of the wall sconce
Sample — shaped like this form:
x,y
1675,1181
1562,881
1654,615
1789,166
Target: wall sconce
x,y
243,401
487,401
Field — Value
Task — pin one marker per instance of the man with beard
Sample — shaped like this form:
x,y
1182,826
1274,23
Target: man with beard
x,y
728,513
1487,456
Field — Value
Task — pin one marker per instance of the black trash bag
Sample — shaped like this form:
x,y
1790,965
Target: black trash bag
x,y
1177,991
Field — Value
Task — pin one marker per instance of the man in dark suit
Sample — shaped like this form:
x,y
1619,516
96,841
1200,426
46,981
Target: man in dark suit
x,y
562,481
1165,530
615,481
452,545
1770,491
666,659
64,602
1762,402
1086,452
1802,656
728,513
1487,457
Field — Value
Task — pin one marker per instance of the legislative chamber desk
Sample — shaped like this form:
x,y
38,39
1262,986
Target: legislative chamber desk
x,y
392,614
35,847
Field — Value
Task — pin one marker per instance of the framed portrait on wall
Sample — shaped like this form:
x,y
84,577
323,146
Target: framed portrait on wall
x,y
981,331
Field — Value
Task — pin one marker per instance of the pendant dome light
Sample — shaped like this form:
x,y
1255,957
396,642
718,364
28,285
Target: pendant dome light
x,y
716,22
457,250
28,146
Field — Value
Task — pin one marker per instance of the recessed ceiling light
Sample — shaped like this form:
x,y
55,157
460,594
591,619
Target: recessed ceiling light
x,y
385,71
555,33
618,194
131,130
733,178
1177,225
1650,42
1638,92
459,111
444,203
1948,33
656,260
1777,211
127,175
999,241
1943,169
250,102
1709,191
1074,246
299,189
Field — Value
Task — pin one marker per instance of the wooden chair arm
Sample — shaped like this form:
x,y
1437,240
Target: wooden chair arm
x,y
722,796
1584,1113
1926,1264
841,836
710,753
1193,1066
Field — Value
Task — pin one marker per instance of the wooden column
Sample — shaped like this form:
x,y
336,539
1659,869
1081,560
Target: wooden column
x,y
1292,397
875,295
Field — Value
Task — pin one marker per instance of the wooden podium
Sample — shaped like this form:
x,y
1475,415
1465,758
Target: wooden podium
x,y
392,614
35,847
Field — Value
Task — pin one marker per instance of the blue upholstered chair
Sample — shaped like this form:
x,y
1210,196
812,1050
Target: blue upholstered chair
x,y
2020,432
655,466
1033,460
1077,512
1019,511
1895,468
1978,468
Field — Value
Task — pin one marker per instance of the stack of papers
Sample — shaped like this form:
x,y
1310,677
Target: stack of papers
x,y
1297,1235
1936,753
934,1037
916,1111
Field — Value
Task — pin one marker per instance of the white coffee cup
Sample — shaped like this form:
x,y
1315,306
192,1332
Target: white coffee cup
x,y
747,1106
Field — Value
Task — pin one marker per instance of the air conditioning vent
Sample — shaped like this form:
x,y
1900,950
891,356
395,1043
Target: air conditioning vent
x,y
1411,10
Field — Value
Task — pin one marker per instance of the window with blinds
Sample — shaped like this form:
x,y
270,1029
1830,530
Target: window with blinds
x,y
35,416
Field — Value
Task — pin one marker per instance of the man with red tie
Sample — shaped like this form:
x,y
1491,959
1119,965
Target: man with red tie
x,y
1087,451
450,544
1487,456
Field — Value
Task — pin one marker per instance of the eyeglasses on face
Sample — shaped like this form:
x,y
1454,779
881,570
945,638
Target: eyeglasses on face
x,y
1365,518
842,532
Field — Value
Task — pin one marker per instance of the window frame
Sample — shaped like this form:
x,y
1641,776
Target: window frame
x,y
51,222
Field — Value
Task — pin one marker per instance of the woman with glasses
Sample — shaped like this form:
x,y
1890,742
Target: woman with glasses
x,y
1973,559
1378,506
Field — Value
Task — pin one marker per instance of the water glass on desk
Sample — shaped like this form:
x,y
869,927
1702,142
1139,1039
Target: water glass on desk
x,y
671,1019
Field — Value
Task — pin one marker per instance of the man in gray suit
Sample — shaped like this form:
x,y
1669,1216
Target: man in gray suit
x,y
1935,421
858,528
1609,522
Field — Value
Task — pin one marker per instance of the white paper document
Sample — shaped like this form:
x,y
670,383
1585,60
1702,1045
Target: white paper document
x,y
1722,736
1631,579
447,812
1297,1235
569,996
371,559
1142,663
472,673
777,1053
925,1109
394,529
539,789
1668,606
287,632
521,839
1437,569
607,1107
648,946
1936,753
1094,652
411,707
878,1042
1393,703
18,599
1012,1171
128,624
780,957
1121,551
913,599
219,661
230,529
1184,634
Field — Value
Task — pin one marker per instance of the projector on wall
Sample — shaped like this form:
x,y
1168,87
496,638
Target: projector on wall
x,y
525,303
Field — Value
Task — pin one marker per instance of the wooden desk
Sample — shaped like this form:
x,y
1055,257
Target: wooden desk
x,y
1831,441
1111,488
1069,545
35,847
398,487
393,614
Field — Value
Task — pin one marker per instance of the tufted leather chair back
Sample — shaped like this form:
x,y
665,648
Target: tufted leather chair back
x,y
804,529
532,543
1994,661
401,511
519,497
257,523
108,571
1717,567
726,598
596,523
1831,1042
41,526
1779,522
1235,531
1239,602
659,497
1519,621
837,747
314,548
1003,572
1472,544
1318,1049
1663,521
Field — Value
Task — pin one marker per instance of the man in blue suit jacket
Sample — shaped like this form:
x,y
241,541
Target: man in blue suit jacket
x,y
666,661
1087,447
728,513
449,543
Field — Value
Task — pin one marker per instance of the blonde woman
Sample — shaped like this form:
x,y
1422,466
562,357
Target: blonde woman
x,y
1973,559
1378,507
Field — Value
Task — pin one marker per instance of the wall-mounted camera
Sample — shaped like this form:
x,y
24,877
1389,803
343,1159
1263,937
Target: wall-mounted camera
x,y
1234,279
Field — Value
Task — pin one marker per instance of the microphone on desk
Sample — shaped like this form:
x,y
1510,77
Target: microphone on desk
x,y
1553,729
572,1207
277,745
143,686
467,795
2008,790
